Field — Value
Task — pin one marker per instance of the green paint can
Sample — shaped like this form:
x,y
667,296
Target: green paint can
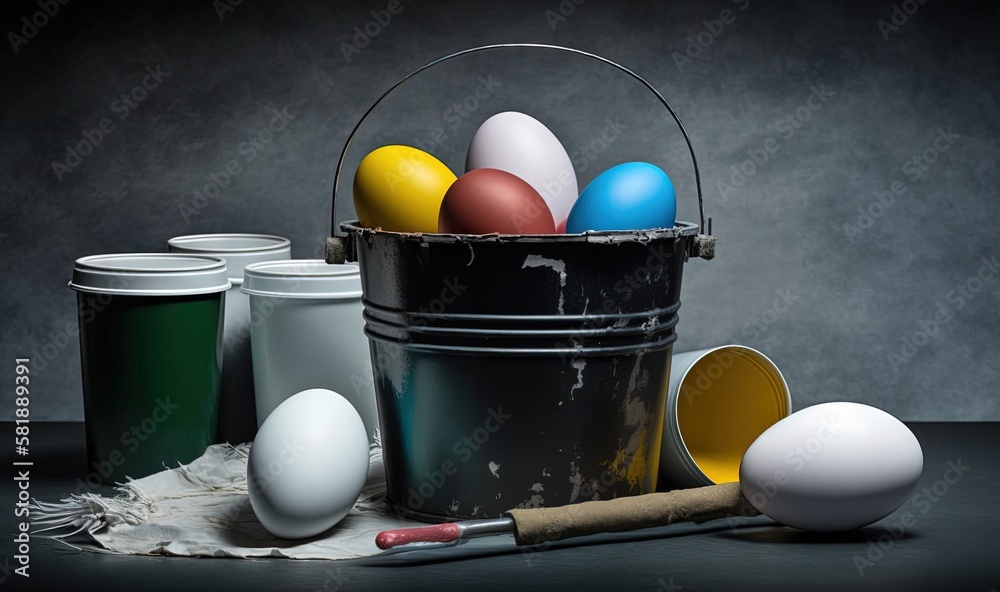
x,y
151,356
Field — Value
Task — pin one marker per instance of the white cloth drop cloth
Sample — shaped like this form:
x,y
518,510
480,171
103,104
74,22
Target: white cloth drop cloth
x,y
203,510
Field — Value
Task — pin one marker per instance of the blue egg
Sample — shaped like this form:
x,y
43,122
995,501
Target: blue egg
x,y
630,196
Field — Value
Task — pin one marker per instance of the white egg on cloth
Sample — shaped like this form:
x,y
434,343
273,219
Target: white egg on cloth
x,y
308,464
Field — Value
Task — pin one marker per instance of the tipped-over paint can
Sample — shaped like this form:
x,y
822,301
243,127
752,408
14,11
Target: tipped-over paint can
x,y
151,353
307,331
719,400
237,411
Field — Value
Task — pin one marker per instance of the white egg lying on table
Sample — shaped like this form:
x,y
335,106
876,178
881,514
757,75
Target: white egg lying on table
x,y
308,464
832,467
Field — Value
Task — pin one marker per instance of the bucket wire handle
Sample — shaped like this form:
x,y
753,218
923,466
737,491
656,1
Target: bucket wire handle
x,y
339,249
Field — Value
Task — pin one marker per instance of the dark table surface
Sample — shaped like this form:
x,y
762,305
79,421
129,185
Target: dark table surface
x,y
951,545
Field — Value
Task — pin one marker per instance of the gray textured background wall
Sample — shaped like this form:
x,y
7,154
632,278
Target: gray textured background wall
x,y
848,101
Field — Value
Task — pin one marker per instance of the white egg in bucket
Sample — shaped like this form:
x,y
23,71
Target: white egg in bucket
x,y
523,146
832,467
308,464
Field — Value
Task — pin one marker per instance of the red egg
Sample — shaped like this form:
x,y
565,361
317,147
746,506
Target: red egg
x,y
486,201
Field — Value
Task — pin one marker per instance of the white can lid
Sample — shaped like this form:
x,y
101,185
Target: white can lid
x,y
302,278
237,249
150,274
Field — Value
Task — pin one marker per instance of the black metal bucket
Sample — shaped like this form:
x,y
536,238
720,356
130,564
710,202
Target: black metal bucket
x,y
519,371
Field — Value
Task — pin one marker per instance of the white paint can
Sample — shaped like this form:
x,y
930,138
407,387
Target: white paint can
x,y
307,331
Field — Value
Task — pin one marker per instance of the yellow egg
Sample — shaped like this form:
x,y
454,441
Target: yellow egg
x,y
399,188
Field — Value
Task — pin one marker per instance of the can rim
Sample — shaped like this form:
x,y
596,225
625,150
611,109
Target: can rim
x,y
268,242
146,274
302,278
758,358
680,229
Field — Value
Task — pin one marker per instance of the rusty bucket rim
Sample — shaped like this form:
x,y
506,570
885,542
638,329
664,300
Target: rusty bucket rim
x,y
680,229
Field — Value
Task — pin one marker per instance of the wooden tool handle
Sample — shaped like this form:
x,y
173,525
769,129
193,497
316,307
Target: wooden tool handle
x,y
539,525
